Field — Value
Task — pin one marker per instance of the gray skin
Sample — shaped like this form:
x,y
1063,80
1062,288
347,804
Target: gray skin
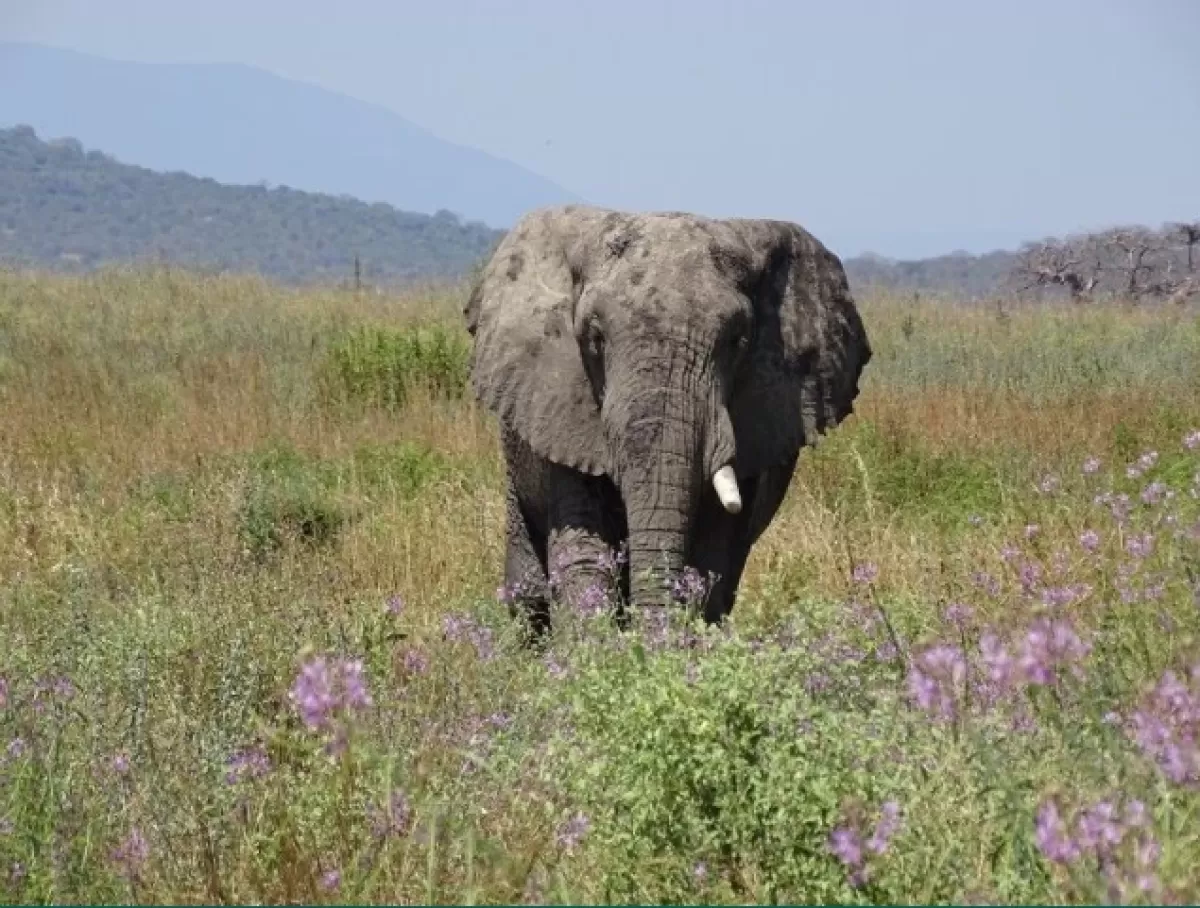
x,y
628,358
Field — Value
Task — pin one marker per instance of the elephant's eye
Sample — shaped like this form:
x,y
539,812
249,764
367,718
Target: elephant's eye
x,y
593,338
739,336
592,345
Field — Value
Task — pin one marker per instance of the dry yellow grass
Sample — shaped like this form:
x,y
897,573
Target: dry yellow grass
x,y
148,417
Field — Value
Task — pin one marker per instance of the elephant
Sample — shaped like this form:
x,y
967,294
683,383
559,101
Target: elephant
x,y
655,377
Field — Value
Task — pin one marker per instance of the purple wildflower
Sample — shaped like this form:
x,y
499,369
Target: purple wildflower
x,y
1091,465
1030,573
1048,646
816,682
3,692
986,582
1155,492
935,679
415,662
1022,721
1048,484
1090,541
1100,831
1118,505
886,651
44,689
6,826
996,658
323,689
460,628
131,855
655,624
1191,441
248,763
393,819
571,832
865,572
846,847
331,879
592,601
1059,596
394,605
555,668
1135,814
119,763
690,587
958,613
700,872
1140,546
1167,727
889,822
1145,858
1050,833
611,561
15,749
1143,463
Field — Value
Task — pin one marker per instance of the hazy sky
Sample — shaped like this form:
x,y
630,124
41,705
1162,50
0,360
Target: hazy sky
x,y
908,127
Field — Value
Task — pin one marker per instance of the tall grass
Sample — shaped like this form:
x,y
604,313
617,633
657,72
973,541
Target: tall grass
x,y
251,650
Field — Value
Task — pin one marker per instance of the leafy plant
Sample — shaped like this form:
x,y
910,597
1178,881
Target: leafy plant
x,y
381,366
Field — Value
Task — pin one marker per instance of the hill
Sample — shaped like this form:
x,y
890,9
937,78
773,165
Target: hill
x,y
69,208
239,124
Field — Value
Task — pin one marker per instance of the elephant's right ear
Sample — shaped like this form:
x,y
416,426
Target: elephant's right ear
x,y
526,365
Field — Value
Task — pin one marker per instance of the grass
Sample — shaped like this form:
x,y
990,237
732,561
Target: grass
x,y
249,546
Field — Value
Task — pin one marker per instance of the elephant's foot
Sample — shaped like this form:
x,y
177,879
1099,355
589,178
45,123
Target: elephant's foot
x,y
585,572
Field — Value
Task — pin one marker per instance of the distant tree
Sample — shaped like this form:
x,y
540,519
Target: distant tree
x,y
1073,264
1189,235
1140,256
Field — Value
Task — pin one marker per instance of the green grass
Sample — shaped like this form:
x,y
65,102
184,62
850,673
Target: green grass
x,y
205,484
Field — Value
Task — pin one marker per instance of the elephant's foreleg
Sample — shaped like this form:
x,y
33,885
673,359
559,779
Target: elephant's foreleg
x,y
585,529
719,552
525,585
724,541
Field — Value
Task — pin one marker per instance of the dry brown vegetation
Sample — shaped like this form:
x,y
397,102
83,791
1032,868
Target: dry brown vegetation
x,y
188,500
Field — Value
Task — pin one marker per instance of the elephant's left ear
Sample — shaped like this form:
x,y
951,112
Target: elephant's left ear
x,y
809,351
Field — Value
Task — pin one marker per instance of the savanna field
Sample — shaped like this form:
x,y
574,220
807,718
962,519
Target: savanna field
x,y
251,648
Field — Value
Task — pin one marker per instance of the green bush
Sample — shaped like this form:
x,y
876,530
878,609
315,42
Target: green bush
x,y
381,366
732,765
286,498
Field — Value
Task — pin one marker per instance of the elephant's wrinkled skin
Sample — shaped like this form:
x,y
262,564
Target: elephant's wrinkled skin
x,y
638,363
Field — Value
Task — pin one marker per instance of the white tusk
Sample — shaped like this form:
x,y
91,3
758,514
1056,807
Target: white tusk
x,y
725,482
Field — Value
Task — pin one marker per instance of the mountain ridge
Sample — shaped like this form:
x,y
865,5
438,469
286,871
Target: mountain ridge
x,y
68,208
240,124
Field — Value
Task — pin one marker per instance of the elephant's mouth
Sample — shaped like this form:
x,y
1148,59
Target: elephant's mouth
x,y
726,485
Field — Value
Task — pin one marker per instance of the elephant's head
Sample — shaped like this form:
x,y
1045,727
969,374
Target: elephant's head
x,y
673,353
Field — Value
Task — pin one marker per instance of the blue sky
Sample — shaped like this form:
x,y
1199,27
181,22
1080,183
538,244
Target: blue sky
x,y
909,128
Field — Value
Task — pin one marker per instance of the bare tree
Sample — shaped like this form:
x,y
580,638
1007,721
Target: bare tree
x,y
1189,235
1141,257
1184,290
1073,264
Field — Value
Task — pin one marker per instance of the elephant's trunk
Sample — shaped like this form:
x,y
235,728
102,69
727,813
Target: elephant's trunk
x,y
660,507
680,444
